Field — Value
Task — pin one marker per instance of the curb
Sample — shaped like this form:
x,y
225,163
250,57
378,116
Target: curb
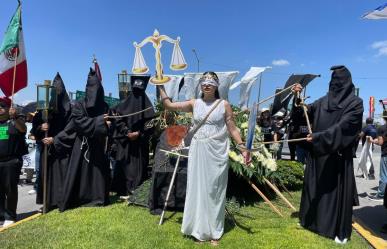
x,y
20,221
366,233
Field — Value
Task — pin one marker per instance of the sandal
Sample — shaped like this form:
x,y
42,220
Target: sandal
x,y
199,242
214,242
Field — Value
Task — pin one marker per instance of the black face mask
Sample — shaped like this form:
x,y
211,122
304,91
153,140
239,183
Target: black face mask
x,y
139,82
340,88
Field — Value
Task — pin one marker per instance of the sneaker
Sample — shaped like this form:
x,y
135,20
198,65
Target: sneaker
x,y
375,197
341,242
32,192
8,223
124,197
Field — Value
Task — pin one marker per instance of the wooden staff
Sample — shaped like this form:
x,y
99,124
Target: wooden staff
x,y
243,148
272,186
286,190
14,77
305,109
283,141
44,164
272,96
171,183
231,216
263,196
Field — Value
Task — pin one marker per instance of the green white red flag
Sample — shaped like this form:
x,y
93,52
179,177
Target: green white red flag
x,y
11,50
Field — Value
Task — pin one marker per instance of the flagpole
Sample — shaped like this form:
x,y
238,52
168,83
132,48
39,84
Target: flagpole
x,y
14,66
14,77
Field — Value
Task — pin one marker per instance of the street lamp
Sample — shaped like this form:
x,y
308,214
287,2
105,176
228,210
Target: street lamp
x,y
197,58
124,84
46,101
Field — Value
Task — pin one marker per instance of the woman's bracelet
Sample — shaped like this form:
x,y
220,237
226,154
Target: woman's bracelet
x,y
241,146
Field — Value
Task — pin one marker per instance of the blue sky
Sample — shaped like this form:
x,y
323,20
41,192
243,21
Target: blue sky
x,y
307,36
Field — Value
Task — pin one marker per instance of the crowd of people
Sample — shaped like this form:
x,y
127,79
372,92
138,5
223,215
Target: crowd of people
x,y
93,150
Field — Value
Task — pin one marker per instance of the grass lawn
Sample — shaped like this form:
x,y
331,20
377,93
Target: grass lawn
x,y
120,226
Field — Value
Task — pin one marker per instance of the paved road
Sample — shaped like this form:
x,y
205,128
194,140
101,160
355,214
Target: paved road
x,y
26,205
373,214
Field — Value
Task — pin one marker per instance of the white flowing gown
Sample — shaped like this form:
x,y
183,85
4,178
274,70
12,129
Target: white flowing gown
x,y
207,174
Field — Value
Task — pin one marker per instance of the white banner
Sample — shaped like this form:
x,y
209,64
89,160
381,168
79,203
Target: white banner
x,y
246,84
378,13
365,160
192,88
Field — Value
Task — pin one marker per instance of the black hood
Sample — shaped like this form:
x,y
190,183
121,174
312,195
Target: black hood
x,y
94,96
135,102
62,98
341,88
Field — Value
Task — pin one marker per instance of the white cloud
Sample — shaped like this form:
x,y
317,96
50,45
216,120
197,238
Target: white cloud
x,y
381,47
281,62
379,44
382,51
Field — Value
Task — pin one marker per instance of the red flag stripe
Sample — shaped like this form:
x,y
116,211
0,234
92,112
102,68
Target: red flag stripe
x,y
6,79
97,71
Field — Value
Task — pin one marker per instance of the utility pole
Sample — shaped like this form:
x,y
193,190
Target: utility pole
x,y
197,58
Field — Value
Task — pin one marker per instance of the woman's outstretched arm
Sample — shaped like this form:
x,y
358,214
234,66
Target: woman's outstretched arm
x,y
185,106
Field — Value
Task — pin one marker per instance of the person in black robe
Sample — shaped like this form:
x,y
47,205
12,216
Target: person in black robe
x,y
88,176
132,138
329,192
57,160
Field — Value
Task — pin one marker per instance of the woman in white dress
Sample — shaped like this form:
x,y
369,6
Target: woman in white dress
x,y
204,209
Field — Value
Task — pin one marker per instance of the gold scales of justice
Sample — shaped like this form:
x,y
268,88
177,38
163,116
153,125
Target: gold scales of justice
x,y
177,61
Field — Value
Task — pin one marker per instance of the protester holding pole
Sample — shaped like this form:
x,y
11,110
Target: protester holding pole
x,y
204,209
329,191
57,159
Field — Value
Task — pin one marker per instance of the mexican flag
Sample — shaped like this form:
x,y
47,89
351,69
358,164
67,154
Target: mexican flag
x,y
12,53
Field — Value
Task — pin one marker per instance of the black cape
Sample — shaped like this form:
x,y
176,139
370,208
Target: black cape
x,y
88,177
329,191
56,161
132,157
162,172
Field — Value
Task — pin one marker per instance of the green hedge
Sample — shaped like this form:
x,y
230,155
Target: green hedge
x,y
289,174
